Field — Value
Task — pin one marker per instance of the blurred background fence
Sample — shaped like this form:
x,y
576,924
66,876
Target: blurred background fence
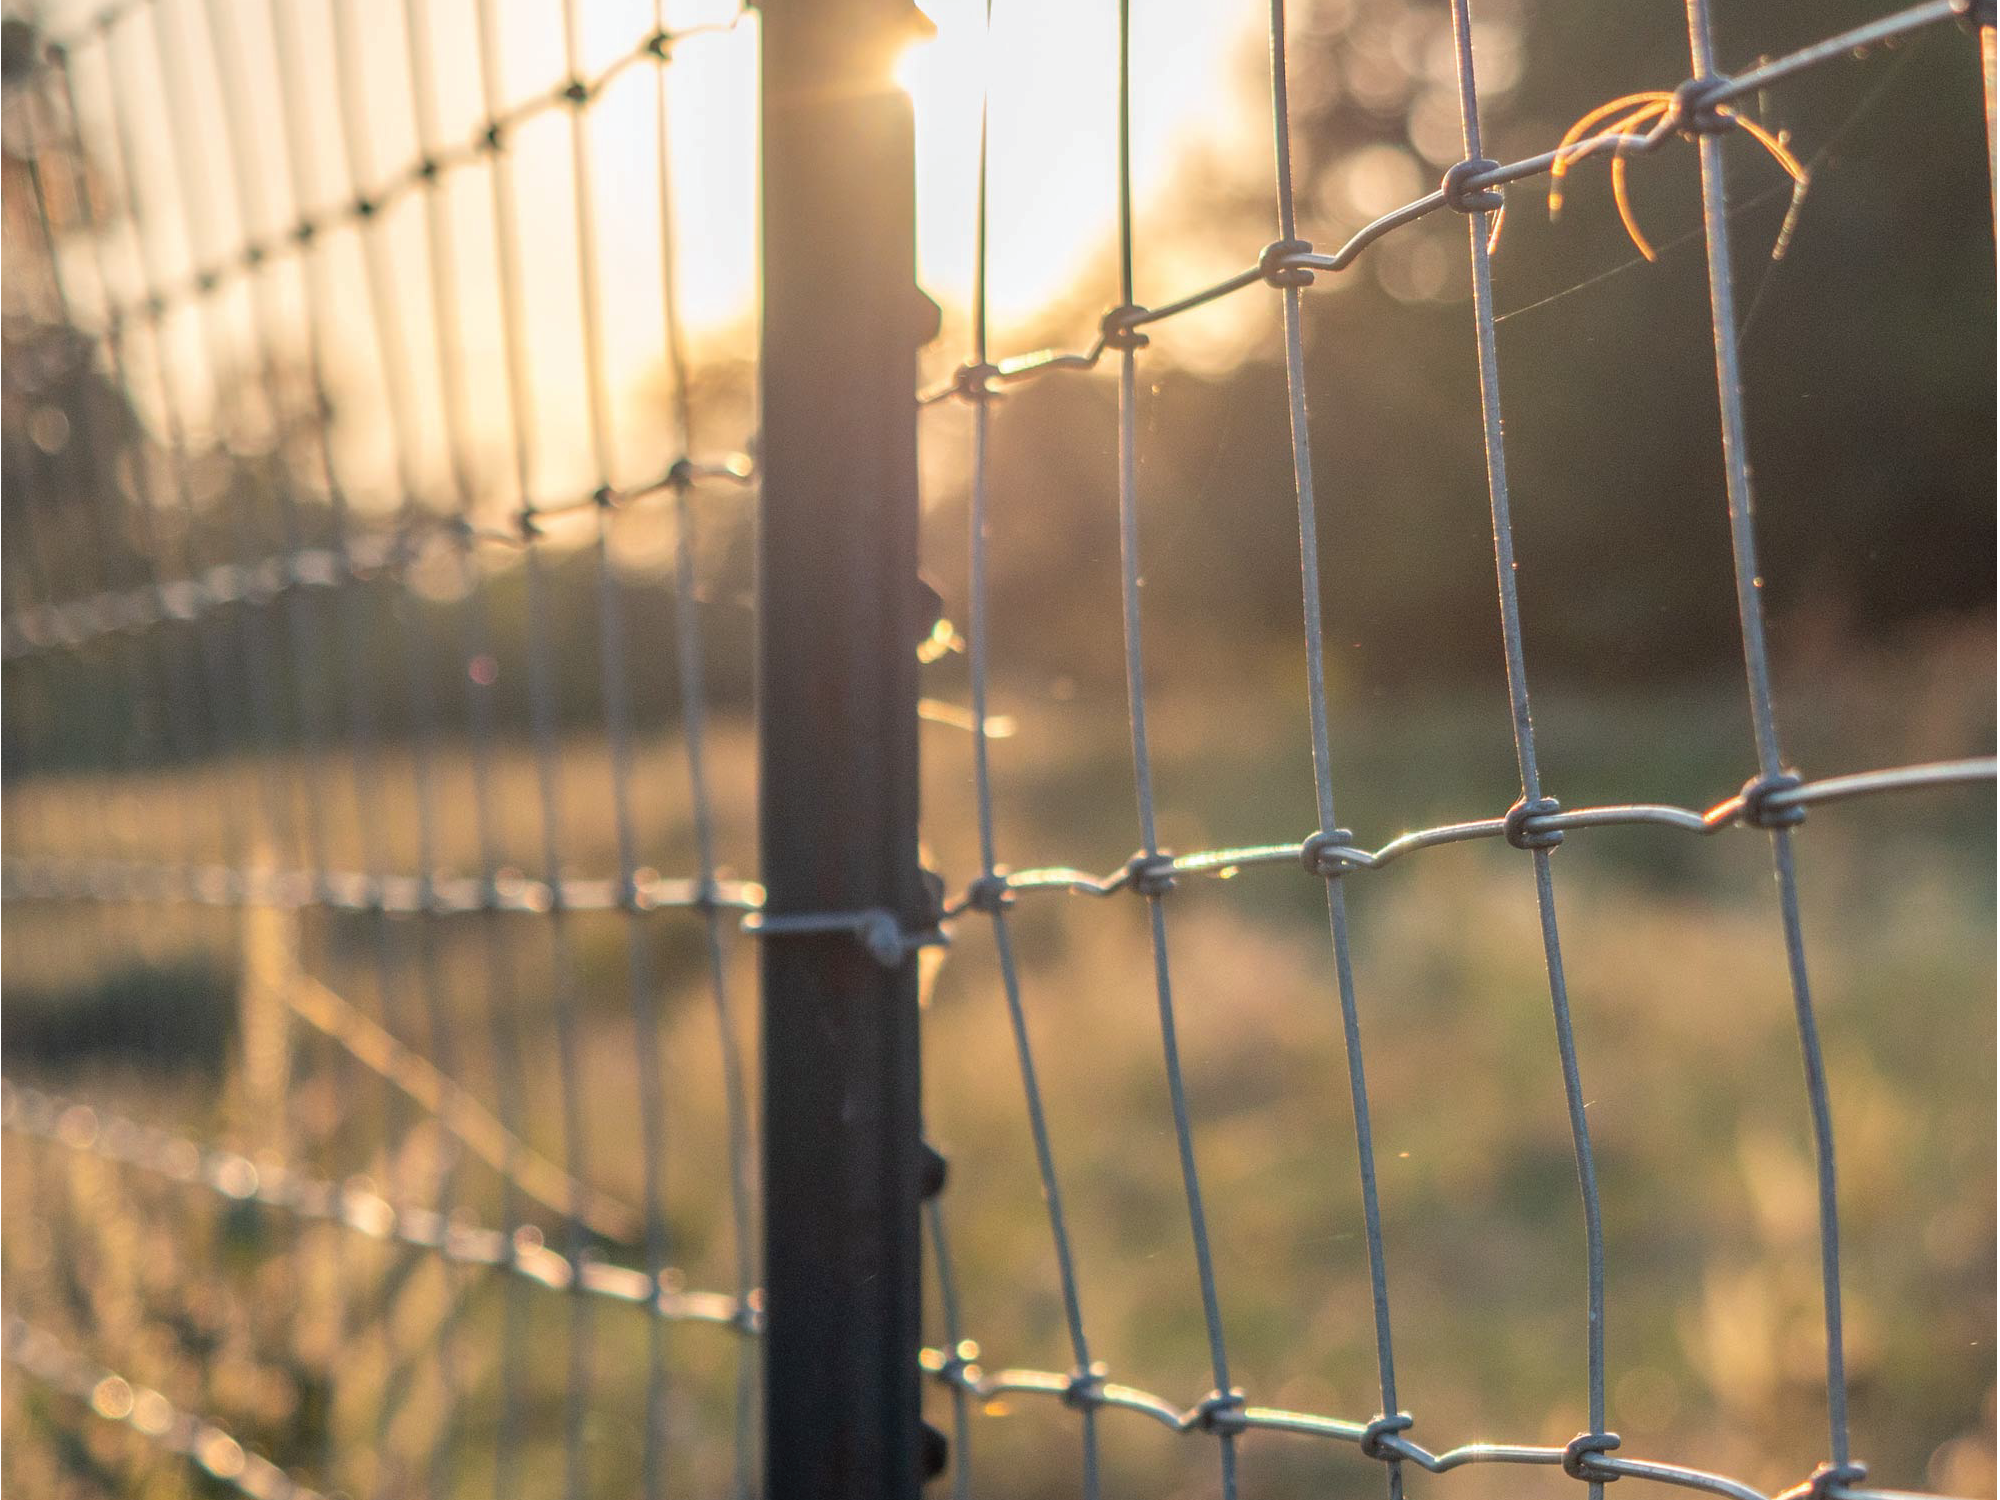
x,y
379,790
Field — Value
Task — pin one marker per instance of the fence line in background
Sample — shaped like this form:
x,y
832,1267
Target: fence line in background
x,y
110,1396
220,604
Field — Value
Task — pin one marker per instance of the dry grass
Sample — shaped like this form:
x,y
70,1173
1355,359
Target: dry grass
x,y
1687,1051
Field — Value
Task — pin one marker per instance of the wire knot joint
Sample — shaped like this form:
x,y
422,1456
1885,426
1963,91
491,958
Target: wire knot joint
x,y
1461,194
1150,874
989,894
1117,329
1221,1412
1085,1391
1824,1480
957,1365
1276,263
1374,1436
1761,807
973,380
1695,111
1579,1451
1328,853
1519,824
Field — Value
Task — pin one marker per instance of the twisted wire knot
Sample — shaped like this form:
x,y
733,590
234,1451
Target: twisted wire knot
x,y
1381,1427
1321,855
1116,331
1693,113
1757,794
1825,1479
972,381
990,894
1517,825
1221,1412
1085,1390
1271,263
1150,874
1578,1452
1461,195
958,1363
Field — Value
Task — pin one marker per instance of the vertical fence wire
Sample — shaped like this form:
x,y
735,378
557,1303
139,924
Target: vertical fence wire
x,y
564,999
1086,1377
693,700
1322,748
1223,1413
425,711
395,367
244,735
1763,716
304,618
185,179
648,1056
1476,207
213,688
42,574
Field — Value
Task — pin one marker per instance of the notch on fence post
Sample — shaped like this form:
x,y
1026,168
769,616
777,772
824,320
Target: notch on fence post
x,y
837,712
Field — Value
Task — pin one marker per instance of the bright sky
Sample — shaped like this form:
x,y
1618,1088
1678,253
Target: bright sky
x,y
1052,64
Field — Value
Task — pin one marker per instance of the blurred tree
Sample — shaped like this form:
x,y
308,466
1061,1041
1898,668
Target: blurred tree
x,y
1868,349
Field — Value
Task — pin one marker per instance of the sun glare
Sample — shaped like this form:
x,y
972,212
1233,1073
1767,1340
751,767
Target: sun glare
x,y
1048,69
1051,67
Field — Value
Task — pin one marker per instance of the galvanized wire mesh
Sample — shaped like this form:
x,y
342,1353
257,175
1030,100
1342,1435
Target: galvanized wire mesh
x,y
1774,800
166,272
139,213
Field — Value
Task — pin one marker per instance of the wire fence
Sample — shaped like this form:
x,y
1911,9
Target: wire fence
x,y
207,599
195,274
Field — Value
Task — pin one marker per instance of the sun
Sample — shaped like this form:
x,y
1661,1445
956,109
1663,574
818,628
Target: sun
x,y
1046,71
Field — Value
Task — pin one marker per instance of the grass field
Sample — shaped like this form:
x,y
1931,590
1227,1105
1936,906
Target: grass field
x,y
1684,1025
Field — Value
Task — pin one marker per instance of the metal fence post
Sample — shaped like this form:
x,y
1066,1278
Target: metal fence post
x,y
837,699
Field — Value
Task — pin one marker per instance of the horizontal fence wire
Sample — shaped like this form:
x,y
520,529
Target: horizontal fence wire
x,y
269,1182
1280,262
441,894
958,1367
43,1357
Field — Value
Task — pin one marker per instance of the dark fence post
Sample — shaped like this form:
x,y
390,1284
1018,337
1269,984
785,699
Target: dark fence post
x,y
837,699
